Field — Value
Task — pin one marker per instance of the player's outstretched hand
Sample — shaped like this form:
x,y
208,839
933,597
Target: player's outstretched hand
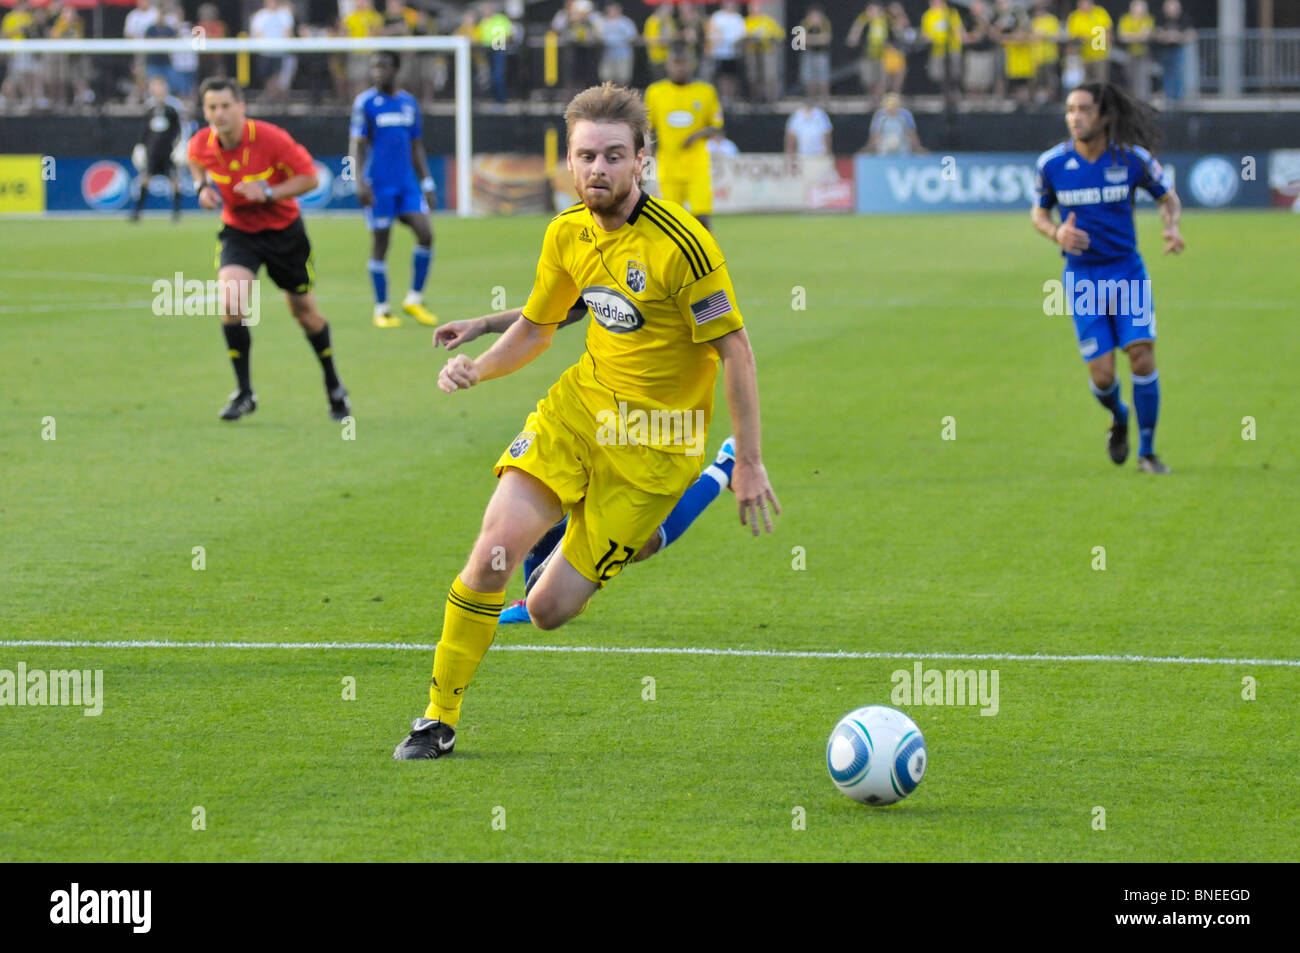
x,y
753,494
455,333
1072,238
458,374
1173,240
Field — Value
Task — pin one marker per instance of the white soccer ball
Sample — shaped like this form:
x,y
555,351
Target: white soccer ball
x,y
876,755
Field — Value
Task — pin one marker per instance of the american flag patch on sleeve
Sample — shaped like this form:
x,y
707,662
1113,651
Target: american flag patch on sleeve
x,y
715,305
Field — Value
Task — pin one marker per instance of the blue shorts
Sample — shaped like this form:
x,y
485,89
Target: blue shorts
x,y
1111,305
393,203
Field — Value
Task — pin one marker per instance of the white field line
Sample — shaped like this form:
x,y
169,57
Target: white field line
x,y
648,650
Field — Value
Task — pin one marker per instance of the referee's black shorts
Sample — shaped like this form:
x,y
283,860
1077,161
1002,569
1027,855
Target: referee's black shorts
x,y
160,163
286,252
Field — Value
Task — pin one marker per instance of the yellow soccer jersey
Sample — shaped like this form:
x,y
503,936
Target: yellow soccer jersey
x,y
657,290
676,112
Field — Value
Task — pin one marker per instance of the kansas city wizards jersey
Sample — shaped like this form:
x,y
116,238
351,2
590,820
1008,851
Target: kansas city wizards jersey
x,y
391,123
1100,194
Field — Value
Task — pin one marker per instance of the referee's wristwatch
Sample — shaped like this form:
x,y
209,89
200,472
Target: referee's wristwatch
x,y
266,188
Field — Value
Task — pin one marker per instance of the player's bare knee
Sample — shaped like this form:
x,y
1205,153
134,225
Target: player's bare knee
x,y
547,613
1142,359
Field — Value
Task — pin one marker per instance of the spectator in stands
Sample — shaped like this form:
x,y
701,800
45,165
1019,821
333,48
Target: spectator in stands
x,y
1090,25
214,28
692,32
726,34
871,31
980,67
578,45
941,27
22,76
763,48
659,32
1135,30
815,60
808,131
893,130
274,21
1172,35
363,21
468,28
165,27
1015,32
185,63
138,21
903,39
68,80
494,34
1047,54
617,33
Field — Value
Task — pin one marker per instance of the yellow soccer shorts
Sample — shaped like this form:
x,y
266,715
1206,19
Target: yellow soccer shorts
x,y
694,193
616,496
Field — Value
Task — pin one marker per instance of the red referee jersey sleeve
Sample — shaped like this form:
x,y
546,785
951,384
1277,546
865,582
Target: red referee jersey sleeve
x,y
289,155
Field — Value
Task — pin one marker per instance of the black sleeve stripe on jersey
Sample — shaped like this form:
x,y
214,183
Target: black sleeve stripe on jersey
x,y
686,252
571,209
690,238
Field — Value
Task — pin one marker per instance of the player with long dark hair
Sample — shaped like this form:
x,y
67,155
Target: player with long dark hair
x,y
1092,176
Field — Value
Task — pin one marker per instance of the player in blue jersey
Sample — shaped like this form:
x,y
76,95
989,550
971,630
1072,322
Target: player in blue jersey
x,y
1093,177
393,183
712,481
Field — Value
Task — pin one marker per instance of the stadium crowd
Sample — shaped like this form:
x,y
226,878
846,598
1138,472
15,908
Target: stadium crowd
x,y
981,52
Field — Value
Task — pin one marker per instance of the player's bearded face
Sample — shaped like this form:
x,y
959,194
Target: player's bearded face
x,y
1082,116
604,163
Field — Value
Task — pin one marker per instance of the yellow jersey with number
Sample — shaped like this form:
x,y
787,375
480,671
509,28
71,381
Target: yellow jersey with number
x,y
676,112
658,291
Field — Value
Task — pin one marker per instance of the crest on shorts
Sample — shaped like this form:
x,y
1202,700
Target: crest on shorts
x,y
521,444
636,277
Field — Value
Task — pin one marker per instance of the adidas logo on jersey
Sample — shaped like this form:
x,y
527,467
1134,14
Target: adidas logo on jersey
x,y
1072,163
584,236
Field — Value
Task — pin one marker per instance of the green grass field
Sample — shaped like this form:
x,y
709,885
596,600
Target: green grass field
x,y
912,544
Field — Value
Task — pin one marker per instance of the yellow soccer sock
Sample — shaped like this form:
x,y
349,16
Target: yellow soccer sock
x,y
468,627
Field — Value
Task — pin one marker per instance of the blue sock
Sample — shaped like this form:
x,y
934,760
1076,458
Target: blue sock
x,y
379,278
1146,400
421,259
695,501
544,547
1111,401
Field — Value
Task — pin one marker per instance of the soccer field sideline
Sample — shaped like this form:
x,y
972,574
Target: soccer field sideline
x,y
649,650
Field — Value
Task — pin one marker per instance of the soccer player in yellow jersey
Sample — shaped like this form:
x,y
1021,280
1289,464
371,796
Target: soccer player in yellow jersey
x,y
684,113
617,440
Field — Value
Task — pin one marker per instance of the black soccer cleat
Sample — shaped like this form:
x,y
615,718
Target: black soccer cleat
x,y
340,406
240,404
429,738
1117,441
1150,463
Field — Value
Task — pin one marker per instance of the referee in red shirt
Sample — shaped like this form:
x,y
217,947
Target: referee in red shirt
x,y
253,170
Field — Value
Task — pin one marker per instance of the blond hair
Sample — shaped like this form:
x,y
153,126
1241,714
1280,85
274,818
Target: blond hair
x,y
609,103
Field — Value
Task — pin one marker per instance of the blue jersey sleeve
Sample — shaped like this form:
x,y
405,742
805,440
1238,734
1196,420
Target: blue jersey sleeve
x,y
417,127
1149,173
1046,193
361,126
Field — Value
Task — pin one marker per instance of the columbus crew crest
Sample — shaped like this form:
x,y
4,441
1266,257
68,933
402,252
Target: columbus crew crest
x,y
521,444
635,276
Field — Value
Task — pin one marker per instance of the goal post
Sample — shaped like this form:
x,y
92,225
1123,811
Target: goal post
x,y
198,43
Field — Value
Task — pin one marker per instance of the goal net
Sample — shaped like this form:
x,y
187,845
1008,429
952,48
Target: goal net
x,y
305,84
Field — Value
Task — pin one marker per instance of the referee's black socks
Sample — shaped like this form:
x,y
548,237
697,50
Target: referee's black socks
x,y
238,343
320,342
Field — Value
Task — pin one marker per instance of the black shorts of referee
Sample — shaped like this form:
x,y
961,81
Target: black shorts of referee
x,y
286,252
